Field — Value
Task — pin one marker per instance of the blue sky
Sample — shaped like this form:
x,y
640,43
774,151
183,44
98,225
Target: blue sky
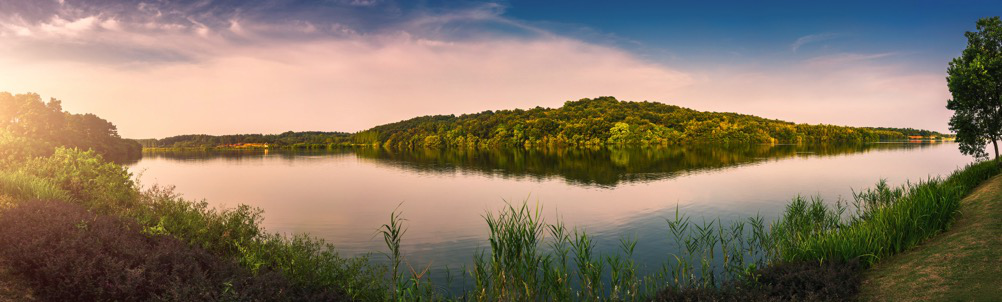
x,y
159,68
926,33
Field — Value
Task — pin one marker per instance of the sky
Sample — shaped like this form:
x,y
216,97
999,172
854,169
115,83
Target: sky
x,y
160,68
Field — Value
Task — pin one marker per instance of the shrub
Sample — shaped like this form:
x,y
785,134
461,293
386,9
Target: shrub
x,y
87,178
68,253
309,264
788,281
234,234
17,149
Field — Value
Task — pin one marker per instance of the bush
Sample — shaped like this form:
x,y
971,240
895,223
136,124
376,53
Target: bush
x,y
234,234
87,178
309,264
222,232
17,149
789,281
68,253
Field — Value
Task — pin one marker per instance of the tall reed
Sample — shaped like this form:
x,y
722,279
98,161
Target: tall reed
x,y
886,220
522,264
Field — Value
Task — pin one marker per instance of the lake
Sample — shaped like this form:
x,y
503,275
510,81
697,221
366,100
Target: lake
x,y
343,196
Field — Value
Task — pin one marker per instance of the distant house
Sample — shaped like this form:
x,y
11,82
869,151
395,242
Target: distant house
x,y
247,145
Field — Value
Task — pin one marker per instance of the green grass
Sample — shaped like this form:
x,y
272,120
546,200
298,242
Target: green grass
x,y
886,221
528,259
961,264
17,186
83,177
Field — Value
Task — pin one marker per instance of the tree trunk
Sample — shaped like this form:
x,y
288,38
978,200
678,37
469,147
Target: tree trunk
x,y
995,143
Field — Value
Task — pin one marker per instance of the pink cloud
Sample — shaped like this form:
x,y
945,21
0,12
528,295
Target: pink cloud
x,y
250,77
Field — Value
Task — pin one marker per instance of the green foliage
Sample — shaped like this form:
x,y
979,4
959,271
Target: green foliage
x,y
87,178
393,233
584,123
32,165
20,187
887,220
236,233
16,149
220,231
292,140
796,257
607,121
46,124
973,80
522,265
71,254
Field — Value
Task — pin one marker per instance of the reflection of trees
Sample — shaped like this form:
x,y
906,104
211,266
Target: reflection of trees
x,y
598,166
605,167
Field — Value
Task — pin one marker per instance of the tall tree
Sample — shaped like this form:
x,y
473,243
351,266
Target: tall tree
x,y
975,80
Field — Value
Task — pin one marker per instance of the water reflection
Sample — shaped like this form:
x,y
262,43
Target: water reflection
x,y
344,195
600,167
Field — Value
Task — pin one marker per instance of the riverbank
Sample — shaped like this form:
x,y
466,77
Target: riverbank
x,y
960,264
782,259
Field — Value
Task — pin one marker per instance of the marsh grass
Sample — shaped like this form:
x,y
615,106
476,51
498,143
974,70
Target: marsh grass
x,y
886,220
792,257
529,259
17,186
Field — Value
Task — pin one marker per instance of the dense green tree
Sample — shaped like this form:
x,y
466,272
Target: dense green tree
x,y
607,121
584,123
31,127
975,81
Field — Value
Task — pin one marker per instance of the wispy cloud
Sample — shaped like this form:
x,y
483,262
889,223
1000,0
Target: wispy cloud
x,y
277,75
841,59
170,67
813,38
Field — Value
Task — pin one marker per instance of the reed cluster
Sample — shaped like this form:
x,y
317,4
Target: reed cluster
x,y
886,220
529,259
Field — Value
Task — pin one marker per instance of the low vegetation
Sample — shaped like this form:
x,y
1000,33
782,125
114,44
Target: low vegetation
x,y
886,221
309,268
961,264
816,251
73,223
68,253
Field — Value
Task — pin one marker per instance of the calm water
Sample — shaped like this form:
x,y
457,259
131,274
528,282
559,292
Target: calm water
x,y
344,196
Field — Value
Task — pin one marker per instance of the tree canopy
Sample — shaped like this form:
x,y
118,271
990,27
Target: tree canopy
x,y
32,127
603,121
975,81
608,121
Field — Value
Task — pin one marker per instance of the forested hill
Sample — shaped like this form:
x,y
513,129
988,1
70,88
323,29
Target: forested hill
x,y
587,122
607,121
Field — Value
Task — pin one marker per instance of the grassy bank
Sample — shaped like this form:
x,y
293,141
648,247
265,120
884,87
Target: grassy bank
x,y
225,238
814,251
961,264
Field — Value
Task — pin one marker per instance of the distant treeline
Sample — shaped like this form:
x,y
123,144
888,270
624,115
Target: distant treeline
x,y
30,127
914,132
587,122
312,139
